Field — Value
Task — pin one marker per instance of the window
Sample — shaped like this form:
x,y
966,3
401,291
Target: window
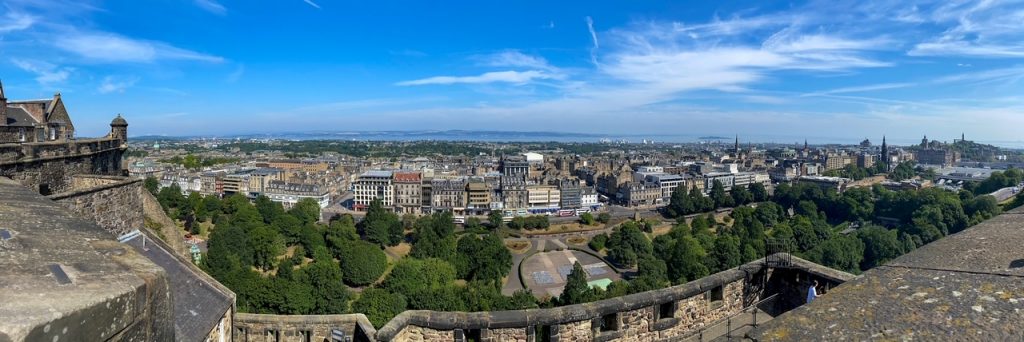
x,y
543,333
21,134
667,310
716,295
610,322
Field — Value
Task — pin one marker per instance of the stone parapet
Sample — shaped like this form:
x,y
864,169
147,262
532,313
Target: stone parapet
x,y
633,317
48,167
300,328
115,203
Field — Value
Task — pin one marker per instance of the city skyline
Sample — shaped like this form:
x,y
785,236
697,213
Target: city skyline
x,y
837,70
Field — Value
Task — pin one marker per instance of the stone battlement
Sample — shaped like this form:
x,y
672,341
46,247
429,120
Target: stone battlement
x,y
272,328
27,152
49,166
669,313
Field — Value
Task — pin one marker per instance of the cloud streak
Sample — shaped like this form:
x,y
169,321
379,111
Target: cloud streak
x,y
513,77
16,21
212,6
593,38
46,74
109,47
113,84
311,3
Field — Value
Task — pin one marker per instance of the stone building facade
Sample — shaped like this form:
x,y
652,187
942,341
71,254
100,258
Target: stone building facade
x,y
26,121
47,159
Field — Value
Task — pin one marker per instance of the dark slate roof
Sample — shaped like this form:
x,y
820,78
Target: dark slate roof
x,y
19,117
198,304
966,286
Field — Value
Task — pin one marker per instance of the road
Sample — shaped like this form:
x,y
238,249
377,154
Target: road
x,y
1004,194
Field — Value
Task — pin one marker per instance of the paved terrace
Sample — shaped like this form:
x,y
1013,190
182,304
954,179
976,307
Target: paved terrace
x,y
967,286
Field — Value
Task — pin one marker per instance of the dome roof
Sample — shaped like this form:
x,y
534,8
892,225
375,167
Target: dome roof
x,y
119,121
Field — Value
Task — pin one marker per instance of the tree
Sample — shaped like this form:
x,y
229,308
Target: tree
x,y
361,262
307,210
604,218
268,209
680,203
435,237
758,191
170,197
423,282
381,226
597,242
152,185
483,259
902,171
267,244
379,305
495,219
718,195
684,257
627,243
329,294
741,196
880,245
842,252
473,224
702,203
653,269
725,254
587,219
769,213
576,289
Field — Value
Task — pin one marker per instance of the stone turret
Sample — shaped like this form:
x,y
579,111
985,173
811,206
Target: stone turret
x,y
119,129
3,106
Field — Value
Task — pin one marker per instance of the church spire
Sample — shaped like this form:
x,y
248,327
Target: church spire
x,y
736,146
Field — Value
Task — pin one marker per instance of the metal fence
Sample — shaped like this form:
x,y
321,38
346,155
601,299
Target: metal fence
x,y
777,253
736,326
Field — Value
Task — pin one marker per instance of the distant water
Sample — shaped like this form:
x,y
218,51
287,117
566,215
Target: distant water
x,y
501,136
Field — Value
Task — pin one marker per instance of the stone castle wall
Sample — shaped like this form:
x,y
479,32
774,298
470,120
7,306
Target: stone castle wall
x,y
49,167
65,279
114,203
638,317
298,328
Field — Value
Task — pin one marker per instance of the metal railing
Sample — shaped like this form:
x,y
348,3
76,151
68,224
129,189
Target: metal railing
x,y
748,316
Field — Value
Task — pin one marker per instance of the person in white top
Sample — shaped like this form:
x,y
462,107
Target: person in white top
x,y
812,292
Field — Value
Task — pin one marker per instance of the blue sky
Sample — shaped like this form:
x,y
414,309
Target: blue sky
x,y
829,69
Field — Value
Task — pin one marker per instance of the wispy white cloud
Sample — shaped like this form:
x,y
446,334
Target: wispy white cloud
x,y
514,58
46,74
116,84
861,89
311,3
16,21
1010,74
212,6
234,76
593,38
513,77
109,47
984,28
